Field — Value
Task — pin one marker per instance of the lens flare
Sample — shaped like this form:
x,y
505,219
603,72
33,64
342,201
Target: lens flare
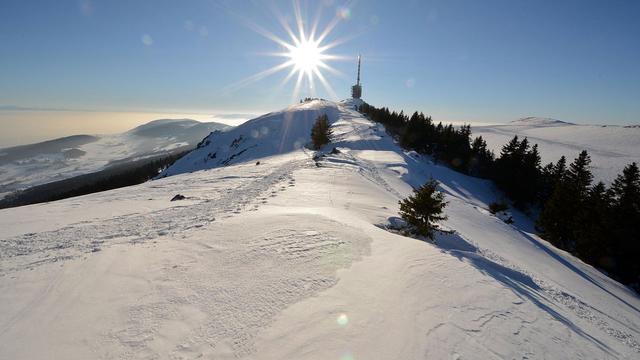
x,y
342,319
306,56
305,53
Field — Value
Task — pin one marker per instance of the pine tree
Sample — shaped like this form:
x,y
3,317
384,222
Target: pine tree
x,y
321,133
551,175
626,211
424,209
529,179
579,176
481,163
593,222
559,218
517,172
554,221
506,165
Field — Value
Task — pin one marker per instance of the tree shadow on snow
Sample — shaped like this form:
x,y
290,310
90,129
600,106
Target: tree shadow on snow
x,y
470,189
572,267
522,285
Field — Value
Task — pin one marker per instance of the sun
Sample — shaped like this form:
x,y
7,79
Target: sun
x,y
306,56
305,53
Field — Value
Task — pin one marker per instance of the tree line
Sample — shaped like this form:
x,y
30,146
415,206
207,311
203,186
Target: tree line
x,y
598,224
127,174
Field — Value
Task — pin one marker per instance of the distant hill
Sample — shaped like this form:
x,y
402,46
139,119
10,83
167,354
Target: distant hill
x,y
54,146
538,121
24,166
185,128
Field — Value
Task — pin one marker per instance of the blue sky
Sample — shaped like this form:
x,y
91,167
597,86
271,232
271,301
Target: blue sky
x,y
458,60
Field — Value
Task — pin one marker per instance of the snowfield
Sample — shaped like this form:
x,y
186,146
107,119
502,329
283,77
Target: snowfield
x,y
289,258
611,147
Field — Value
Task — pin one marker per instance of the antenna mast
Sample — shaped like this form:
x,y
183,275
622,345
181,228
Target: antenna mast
x,y
358,83
356,90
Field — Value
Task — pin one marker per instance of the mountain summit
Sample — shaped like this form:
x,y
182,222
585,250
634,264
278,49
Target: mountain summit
x,y
270,134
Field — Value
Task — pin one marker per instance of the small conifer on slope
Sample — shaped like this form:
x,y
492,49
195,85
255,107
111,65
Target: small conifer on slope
x,y
424,208
321,132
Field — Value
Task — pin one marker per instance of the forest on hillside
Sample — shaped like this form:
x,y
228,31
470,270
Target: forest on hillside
x,y
596,223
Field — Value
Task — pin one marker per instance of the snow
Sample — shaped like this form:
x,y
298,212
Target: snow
x,y
274,133
290,259
611,147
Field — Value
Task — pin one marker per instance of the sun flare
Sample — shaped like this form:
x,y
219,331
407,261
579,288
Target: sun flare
x,y
306,56
305,53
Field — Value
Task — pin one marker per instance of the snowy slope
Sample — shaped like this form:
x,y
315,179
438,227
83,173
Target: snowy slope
x,y
611,147
274,133
35,164
288,259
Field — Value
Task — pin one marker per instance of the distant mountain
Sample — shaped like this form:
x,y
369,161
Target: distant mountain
x,y
25,166
538,121
54,146
185,128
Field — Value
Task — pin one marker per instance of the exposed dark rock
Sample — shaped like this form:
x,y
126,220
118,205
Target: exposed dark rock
x,y
178,197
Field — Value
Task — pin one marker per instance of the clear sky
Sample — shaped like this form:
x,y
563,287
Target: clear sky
x,y
458,60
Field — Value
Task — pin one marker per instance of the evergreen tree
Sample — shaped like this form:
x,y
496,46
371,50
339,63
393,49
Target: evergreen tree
x,y
626,210
321,132
551,175
417,133
424,209
530,176
559,170
593,224
505,165
559,219
556,217
481,162
579,175
517,172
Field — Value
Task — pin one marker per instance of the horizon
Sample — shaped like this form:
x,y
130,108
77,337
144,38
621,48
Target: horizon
x,y
73,122
459,62
31,126
25,120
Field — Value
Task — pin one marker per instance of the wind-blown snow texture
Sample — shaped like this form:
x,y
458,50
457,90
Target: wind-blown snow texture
x,y
289,259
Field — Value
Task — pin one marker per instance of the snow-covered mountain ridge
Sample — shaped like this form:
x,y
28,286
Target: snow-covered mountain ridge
x,y
274,133
290,259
